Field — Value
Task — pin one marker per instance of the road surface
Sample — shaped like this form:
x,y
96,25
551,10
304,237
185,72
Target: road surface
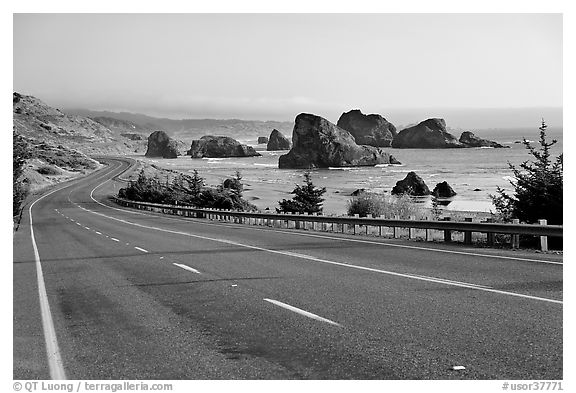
x,y
103,292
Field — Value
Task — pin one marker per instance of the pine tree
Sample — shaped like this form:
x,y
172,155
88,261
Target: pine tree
x,y
538,186
307,198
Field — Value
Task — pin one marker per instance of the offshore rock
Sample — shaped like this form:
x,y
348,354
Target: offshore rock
x,y
443,190
220,147
278,141
373,130
262,139
317,143
429,134
412,184
160,145
468,138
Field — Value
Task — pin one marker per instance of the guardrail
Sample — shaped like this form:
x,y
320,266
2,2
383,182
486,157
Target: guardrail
x,y
302,221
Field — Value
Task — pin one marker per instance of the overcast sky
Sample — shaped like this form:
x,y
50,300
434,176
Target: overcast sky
x,y
274,66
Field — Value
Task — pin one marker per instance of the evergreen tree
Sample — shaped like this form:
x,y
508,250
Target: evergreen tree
x,y
538,186
307,198
196,184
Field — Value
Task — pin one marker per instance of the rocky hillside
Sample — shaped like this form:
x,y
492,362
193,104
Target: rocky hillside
x,y
49,164
38,121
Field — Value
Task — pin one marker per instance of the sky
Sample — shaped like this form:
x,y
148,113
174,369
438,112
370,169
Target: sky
x,y
274,66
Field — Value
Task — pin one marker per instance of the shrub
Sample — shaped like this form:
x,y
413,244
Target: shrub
x,y
48,170
538,186
20,152
307,198
371,204
183,190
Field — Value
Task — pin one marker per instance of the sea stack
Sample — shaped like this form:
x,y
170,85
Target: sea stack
x,y
412,184
220,147
429,134
278,141
372,130
160,145
317,143
469,139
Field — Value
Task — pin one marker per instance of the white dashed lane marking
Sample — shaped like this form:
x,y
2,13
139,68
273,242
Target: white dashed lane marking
x,y
301,312
116,240
141,249
186,268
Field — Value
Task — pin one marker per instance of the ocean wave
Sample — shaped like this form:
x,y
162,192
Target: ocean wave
x,y
386,165
214,158
266,165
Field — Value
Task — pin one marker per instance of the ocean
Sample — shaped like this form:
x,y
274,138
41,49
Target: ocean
x,y
474,173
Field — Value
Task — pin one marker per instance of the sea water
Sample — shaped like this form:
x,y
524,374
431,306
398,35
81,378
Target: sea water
x,y
473,173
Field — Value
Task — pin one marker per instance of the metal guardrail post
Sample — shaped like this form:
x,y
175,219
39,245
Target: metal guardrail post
x,y
490,235
515,237
543,239
447,232
411,230
468,234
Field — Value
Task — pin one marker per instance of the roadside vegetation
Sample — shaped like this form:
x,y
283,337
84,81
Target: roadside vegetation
x,y
307,198
189,191
538,186
368,204
20,152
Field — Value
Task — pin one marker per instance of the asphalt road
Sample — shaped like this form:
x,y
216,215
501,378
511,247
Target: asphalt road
x,y
139,295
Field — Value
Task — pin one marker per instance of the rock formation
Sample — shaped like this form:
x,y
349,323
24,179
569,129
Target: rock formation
x,y
160,145
412,184
373,130
262,139
317,143
429,134
469,139
277,141
443,190
219,147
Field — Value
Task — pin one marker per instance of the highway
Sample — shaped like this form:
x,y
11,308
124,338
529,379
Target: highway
x,y
127,294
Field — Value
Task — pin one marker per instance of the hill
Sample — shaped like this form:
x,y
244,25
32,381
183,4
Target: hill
x,y
190,129
36,120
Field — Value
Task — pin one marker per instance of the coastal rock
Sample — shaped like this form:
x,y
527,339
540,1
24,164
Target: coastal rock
x,y
372,130
429,134
277,141
160,145
412,184
468,138
262,139
443,190
317,143
358,192
219,147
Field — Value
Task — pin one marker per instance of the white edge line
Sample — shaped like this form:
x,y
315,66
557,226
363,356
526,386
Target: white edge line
x,y
301,312
55,364
186,268
141,249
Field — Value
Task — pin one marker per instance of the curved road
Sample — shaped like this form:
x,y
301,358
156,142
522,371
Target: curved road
x,y
114,293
